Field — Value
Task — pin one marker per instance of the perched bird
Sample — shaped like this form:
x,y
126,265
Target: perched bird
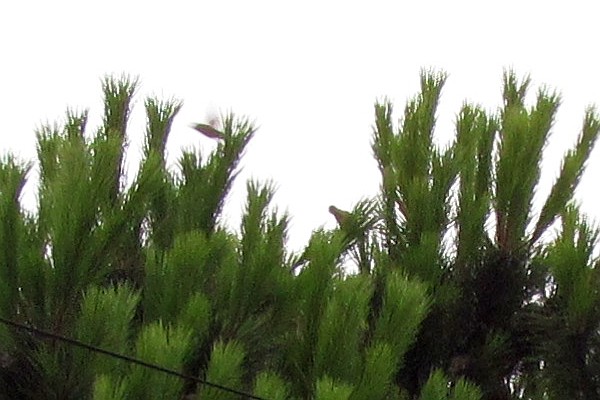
x,y
342,217
208,131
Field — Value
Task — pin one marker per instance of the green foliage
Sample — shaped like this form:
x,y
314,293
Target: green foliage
x,y
204,185
417,179
172,280
474,141
458,293
164,346
438,387
314,285
225,369
522,138
340,334
106,389
378,372
104,321
327,389
572,168
568,350
270,386
261,257
13,240
405,305
197,315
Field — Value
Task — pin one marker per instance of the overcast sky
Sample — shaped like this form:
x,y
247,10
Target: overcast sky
x,y
308,73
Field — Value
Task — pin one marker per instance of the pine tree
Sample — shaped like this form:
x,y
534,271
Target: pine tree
x,y
462,291
502,312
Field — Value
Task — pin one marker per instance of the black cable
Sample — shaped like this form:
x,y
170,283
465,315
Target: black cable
x,y
126,358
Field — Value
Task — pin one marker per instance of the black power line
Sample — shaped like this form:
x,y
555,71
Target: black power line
x,y
132,360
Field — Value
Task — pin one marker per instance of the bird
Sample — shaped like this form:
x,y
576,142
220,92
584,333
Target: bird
x,y
342,217
208,131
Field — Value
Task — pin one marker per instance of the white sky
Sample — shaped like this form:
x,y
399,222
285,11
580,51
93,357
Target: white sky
x,y
307,72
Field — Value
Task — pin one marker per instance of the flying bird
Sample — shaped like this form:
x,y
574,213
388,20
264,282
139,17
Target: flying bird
x,y
208,131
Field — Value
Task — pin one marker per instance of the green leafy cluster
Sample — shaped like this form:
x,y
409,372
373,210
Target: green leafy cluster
x,y
456,295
